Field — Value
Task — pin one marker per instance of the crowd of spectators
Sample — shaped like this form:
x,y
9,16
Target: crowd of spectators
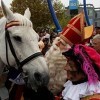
x,y
46,35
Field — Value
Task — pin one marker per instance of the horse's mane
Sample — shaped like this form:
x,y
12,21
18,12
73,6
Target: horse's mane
x,y
24,21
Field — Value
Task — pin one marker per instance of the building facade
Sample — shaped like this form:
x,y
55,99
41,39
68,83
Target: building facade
x,y
93,13
97,17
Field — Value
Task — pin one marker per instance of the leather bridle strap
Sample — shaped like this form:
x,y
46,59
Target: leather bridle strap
x,y
7,39
19,64
35,55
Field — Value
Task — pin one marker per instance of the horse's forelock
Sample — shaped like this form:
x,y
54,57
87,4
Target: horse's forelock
x,y
23,20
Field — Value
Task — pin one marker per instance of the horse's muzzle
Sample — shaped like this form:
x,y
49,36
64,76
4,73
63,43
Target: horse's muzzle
x,y
41,79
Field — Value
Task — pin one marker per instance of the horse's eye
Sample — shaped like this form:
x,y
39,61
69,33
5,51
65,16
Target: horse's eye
x,y
17,38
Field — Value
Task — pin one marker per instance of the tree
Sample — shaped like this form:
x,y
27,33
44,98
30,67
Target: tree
x,y
40,15
61,13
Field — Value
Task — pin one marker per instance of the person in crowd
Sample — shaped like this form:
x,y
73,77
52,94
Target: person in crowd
x,y
46,40
46,35
83,74
97,29
41,45
46,45
95,43
53,35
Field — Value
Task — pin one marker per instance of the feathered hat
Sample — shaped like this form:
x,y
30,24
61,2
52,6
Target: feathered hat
x,y
88,59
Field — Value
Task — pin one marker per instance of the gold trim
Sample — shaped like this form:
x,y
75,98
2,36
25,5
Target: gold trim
x,y
71,26
66,40
74,29
82,25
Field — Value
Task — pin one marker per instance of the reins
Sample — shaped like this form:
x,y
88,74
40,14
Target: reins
x,y
9,42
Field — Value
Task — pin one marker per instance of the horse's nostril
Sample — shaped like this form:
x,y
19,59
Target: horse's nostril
x,y
37,76
42,79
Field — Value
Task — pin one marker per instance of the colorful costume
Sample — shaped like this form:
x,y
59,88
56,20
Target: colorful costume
x,y
75,34
89,61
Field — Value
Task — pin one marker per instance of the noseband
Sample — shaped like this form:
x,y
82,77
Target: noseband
x,y
8,42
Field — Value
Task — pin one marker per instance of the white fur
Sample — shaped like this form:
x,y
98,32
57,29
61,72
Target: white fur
x,y
56,62
27,47
27,13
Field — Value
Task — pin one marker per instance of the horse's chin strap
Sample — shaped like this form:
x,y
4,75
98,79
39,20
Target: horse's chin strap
x,y
19,64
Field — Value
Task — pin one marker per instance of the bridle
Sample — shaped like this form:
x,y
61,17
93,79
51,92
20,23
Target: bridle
x,y
9,42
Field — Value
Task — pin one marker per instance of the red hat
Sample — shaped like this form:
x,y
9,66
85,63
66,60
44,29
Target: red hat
x,y
75,32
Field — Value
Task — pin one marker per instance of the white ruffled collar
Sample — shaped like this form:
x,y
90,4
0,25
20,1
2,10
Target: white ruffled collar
x,y
75,92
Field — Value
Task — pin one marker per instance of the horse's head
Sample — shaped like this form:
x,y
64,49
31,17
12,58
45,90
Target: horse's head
x,y
17,31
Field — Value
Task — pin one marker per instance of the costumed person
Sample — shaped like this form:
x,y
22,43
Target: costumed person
x,y
74,33
83,74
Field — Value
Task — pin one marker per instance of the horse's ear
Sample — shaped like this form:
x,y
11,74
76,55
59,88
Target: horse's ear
x,y
27,13
7,12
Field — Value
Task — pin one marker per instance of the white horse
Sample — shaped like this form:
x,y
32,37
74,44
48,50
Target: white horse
x,y
19,47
